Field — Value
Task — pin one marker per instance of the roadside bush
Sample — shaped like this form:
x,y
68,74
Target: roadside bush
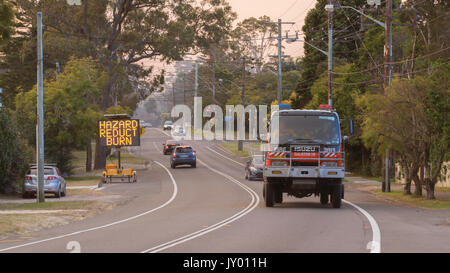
x,y
14,154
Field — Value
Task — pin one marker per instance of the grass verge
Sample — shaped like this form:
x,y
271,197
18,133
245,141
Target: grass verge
x,y
57,205
232,147
83,180
422,202
20,224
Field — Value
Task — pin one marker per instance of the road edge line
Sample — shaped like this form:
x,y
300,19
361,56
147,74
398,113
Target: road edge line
x,y
174,194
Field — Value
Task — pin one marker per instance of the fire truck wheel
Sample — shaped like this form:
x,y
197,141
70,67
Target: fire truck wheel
x,y
269,196
336,197
324,198
278,196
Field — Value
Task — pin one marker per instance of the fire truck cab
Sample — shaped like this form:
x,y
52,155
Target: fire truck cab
x,y
304,156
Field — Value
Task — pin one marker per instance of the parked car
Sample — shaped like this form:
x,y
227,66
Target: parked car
x,y
183,155
54,182
169,145
254,168
168,125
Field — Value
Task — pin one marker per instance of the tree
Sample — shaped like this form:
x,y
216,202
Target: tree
x,y
6,20
15,154
252,39
412,119
70,108
347,40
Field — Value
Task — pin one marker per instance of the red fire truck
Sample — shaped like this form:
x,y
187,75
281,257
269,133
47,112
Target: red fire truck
x,y
305,156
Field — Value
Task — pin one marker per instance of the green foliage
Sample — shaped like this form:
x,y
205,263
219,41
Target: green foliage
x,y
70,111
314,63
14,155
119,110
6,20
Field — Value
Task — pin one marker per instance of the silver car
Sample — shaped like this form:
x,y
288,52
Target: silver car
x,y
168,125
53,182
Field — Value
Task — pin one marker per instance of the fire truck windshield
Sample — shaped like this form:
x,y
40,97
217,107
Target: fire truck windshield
x,y
307,129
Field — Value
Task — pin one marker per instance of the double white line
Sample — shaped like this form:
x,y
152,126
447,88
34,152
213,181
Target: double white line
x,y
253,204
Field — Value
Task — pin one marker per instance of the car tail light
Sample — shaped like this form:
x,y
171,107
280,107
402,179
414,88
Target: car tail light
x,y
52,178
167,146
193,153
174,155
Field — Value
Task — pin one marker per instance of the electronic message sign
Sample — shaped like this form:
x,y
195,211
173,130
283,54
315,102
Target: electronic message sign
x,y
119,132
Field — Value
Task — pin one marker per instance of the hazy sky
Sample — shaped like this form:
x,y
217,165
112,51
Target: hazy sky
x,y
287,10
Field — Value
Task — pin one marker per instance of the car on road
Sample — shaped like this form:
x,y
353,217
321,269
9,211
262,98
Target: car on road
x,y
254,168
169,145
54,182
145,124
183,155
168,125
179,131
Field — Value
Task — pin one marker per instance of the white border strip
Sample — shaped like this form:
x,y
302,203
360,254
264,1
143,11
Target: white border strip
x,y
174,194
375,244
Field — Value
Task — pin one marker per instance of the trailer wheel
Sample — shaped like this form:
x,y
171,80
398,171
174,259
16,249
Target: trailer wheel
x,y
336,196
269,195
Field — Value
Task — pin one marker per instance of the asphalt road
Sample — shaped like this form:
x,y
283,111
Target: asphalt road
x,y
212,208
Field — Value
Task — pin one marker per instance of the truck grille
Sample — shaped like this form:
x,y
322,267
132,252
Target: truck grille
x,y
299,163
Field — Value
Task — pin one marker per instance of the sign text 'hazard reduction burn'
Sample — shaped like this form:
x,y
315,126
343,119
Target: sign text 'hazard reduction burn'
x,y
122,132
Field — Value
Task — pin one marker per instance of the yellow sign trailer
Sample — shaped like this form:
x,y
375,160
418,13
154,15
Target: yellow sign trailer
x,y
119,131
112,172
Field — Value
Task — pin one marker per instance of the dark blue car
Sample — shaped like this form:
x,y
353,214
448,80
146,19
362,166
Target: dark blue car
x,y
183,155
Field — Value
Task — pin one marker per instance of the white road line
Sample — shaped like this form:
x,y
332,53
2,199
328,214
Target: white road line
x,y
162,131
374,245
225,157
253,204
154,144
174,194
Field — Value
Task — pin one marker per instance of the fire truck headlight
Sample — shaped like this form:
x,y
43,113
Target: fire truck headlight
x,y
330,164
280,163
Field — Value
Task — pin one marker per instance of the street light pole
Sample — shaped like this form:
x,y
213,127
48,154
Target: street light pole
x,y
40,113
387,82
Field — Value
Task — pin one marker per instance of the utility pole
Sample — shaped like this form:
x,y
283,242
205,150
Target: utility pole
x,y
184,88
240,142
388,45
280,70
196,79
330,54
214,80
173,95
387,82
40,113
